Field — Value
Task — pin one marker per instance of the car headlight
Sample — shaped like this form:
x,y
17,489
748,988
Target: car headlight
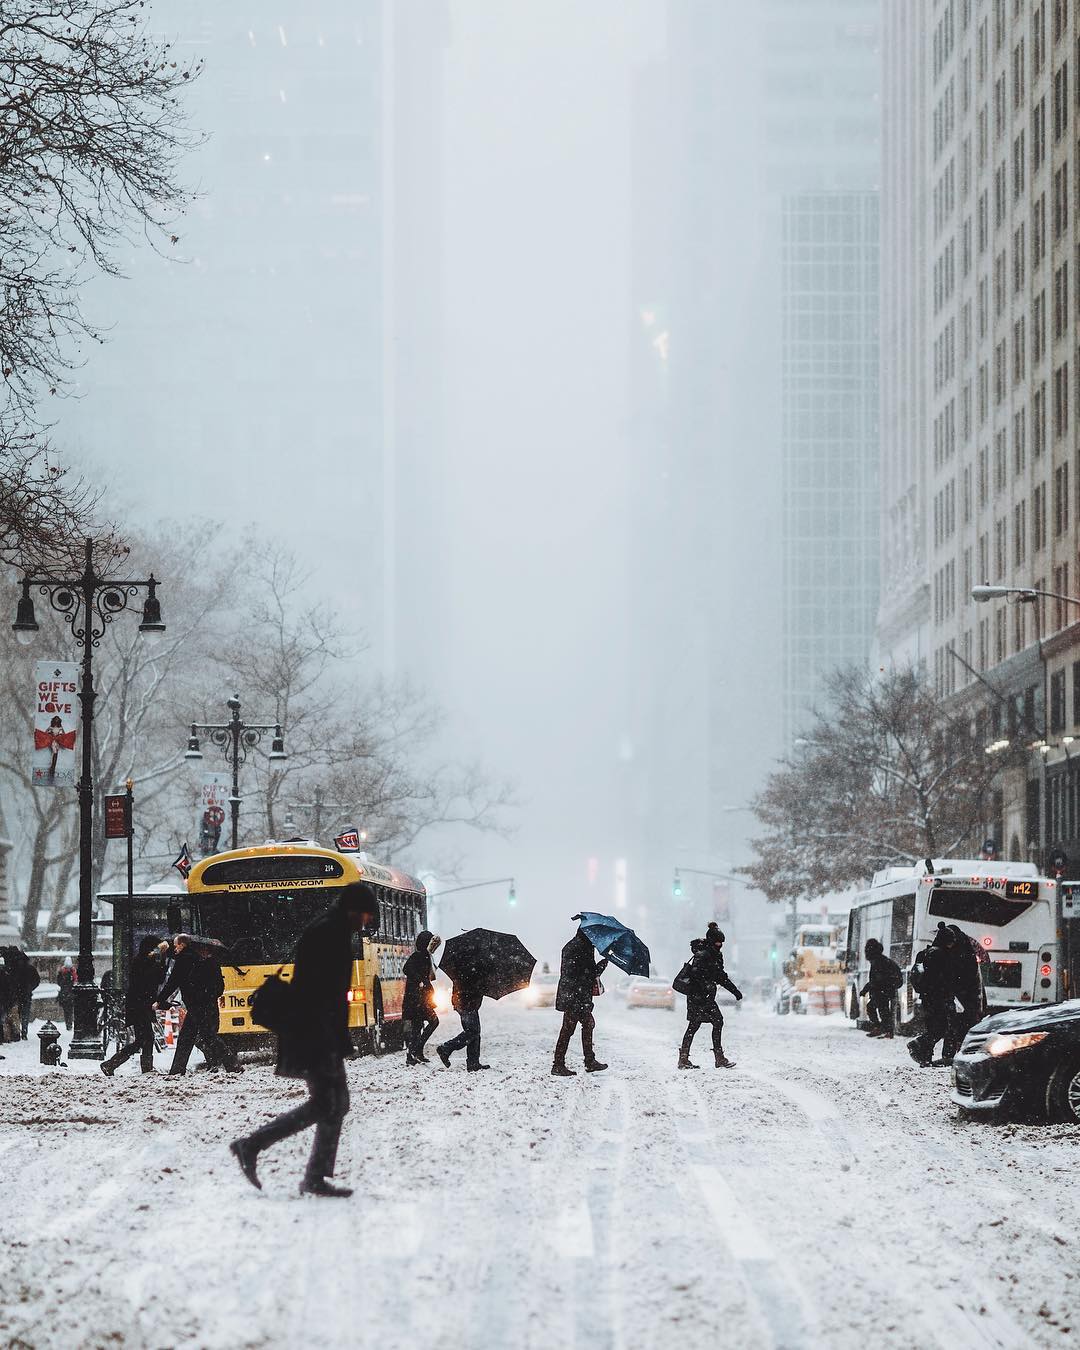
x,y
1007,1045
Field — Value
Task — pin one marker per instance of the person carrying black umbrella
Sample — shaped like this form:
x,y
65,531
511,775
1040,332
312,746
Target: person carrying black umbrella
x,y
196,973
574,999
314,1041
699,980
467,996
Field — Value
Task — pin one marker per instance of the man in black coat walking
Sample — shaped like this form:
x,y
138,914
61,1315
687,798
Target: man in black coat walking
x,y
704,974
25,978
933,977
968,992
467,996
418,1001
574,999
315,1042
885,981
197,976
144,980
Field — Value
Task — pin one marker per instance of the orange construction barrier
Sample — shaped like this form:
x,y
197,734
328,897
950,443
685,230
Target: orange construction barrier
x,y
815,1000
832,999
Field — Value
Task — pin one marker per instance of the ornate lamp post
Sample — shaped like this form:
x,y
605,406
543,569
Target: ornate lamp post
x,y
234,739
89,603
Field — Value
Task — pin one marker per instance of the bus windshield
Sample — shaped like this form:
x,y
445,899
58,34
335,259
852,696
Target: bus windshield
x,y
260,928
986,907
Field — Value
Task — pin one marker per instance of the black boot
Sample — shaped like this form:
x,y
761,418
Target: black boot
x,y
246,1156
684,1060
559,1070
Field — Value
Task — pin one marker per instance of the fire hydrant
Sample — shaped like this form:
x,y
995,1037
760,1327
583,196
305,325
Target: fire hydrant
x,y
49,1052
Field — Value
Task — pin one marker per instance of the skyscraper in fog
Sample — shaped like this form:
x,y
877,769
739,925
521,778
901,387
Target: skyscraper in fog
x,y
774,136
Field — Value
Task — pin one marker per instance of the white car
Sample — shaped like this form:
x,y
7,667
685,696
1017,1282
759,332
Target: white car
x,y
646,992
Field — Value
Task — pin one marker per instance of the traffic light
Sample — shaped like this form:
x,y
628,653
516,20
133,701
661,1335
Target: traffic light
x,y
772,952
676,886
511,899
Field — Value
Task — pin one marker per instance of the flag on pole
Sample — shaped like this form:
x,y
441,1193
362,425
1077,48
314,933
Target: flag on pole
x,y
348,841
182,861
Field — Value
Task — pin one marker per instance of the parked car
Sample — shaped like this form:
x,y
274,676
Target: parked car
x,y
646,992
540,992
1026,1059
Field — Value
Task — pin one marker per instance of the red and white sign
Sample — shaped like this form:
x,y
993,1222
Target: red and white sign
x,y
348,841
213,807
56,723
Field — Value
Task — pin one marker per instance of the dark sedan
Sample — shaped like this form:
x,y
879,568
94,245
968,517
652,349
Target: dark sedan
x,y
1025,1059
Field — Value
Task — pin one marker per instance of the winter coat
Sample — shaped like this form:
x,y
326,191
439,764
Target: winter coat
x,y
886,977
706,973
937,983
317,1038
197,977
418,1001
577,977
23,974
468,991
141,993
967,974
65,985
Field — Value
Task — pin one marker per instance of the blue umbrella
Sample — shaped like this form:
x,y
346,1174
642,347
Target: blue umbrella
x,y
621,945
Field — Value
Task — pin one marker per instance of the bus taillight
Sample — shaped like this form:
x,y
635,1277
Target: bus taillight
x,y
1045,970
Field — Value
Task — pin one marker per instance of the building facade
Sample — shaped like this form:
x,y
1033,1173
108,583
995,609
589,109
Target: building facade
x,y
997,147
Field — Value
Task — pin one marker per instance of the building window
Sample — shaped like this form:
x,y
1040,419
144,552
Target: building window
x,y
1061,200
1019,166
1076,693
1001,462
1038,37
1061,586
1061,400
1038,229
1001,555
1061,501
1057,701
1038,421
1038,518
1061,18
1038,135
1019,362
1061,301
1019,259
1019,441
999,637
1061,101
1018,75
1019,534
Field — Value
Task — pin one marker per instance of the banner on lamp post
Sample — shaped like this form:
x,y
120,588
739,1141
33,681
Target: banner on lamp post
x,y
213,808
56,723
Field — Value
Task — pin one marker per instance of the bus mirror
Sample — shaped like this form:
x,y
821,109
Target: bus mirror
x,y
175,923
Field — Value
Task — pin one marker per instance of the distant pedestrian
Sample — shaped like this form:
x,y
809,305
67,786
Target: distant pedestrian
x,y
418,1001
196,974
25,979
886,980
65,991
967,990
578,975
933,977
467,996
315,1042
10,1027
144,980
699,980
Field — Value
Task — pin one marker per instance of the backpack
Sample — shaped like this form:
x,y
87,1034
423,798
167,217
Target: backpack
x,y
273,1004
915,975
896,976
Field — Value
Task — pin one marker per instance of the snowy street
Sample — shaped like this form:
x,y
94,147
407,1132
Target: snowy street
x,y
822,1193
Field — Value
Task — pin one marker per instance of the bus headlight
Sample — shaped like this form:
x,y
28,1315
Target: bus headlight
x,y
1007,1045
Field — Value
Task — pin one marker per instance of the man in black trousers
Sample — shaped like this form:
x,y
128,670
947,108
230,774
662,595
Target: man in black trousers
x,y
315,1043
574,999
197,975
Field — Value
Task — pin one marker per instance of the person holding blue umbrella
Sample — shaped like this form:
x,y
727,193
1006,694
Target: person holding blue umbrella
x,y
578,975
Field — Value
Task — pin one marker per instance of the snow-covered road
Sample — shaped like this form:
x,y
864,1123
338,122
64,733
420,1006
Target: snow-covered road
x,y
824,1193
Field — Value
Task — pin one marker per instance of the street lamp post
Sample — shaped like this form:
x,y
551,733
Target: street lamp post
x,y
234,739
1030,595
88,603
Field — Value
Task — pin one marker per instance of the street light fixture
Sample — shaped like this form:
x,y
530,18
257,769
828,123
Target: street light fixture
x,y
234,739
88,603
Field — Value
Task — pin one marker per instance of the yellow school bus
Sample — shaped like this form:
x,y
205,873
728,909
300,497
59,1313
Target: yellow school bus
x,y
256,902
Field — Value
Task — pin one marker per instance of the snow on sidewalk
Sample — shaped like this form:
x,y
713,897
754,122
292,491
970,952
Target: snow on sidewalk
x,y
823,1193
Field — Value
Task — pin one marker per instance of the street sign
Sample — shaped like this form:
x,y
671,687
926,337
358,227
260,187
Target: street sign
x,y
117,821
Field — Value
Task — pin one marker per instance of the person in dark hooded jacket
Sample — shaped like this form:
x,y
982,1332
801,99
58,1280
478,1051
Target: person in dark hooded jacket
x,y
418,1001
144,980
467,996
574,999
933,977
886,978
704,974
967,990
315,1042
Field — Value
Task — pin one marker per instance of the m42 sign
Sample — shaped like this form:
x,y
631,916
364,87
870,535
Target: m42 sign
x,y
56,723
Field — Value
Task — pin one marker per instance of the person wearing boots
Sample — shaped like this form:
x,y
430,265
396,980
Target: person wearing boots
x,y
574,999
933,977
467,996
885,980
704,974
144,980
969,992
418,1001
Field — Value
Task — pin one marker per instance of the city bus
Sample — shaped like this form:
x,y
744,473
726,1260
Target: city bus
x,y
256,902
1007,907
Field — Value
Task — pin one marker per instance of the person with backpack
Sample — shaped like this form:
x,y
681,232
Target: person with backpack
x,y
933,977
699,980
418,1001
885,982
578,976
196,974
968,991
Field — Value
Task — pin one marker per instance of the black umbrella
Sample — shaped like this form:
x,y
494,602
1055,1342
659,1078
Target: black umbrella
x,y
495,963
